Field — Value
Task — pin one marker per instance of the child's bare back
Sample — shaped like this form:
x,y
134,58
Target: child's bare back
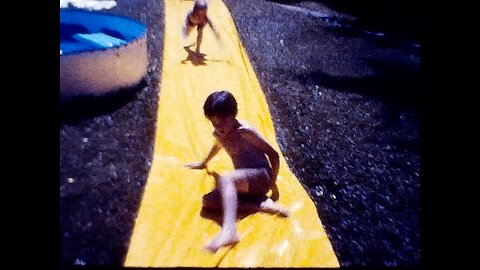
x,y
247,159
242,152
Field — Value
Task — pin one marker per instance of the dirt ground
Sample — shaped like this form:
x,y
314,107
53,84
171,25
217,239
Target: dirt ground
x,y
344,98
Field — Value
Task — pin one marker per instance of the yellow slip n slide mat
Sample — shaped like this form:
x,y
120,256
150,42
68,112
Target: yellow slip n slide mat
x,y
170,230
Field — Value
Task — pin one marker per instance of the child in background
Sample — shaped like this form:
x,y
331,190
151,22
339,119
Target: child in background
x,y
197,17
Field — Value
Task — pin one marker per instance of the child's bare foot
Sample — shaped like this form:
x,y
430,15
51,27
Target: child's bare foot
x,y
199,54
270,207
222,239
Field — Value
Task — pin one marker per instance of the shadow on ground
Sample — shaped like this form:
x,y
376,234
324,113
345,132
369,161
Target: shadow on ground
x,y
106,150
398,18
217,214
77,108
394,83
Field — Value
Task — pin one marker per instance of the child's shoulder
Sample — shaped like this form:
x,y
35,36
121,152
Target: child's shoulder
x,y
246,128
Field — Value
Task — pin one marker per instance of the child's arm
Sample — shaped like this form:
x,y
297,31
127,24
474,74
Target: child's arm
x,y
213,28
257,140
203,164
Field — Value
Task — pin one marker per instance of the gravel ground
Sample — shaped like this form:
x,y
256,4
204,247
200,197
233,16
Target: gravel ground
x,y
356,149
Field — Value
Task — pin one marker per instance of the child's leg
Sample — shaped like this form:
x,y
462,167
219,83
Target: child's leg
x,y
199,38
213,201
230,184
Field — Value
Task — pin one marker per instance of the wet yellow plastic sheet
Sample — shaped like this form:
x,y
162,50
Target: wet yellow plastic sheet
x,y
169,230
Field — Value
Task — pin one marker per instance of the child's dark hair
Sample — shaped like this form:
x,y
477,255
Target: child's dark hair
x,y
200,5
220,103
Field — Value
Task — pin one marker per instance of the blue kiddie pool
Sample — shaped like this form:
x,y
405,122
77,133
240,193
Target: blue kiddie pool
x,y
100,53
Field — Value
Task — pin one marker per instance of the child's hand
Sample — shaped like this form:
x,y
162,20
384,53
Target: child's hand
x,y
196,165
